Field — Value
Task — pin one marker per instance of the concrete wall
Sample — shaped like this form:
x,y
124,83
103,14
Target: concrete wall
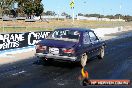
x,y
103,31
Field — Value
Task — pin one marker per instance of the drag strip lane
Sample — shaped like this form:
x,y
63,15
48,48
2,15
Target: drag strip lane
x,y
115,65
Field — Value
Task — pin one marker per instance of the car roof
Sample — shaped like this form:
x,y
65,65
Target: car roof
x,y
75,29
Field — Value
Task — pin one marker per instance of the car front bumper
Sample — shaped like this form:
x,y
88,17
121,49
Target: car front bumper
x,y
56,57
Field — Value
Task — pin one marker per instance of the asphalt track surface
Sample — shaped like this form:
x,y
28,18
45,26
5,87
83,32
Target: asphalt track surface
x,y
117,64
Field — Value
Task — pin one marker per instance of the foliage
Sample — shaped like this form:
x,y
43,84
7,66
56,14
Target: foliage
x,y
29,7
127,18
80,14
33,7
50,13
110,16
66,14
38,10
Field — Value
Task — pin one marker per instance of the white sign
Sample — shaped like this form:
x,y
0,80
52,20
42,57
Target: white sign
x,y
10,40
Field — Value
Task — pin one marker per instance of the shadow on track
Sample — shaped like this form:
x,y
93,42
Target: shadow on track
x,y
70,65
57,64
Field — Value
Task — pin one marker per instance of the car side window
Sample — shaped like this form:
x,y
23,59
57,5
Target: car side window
x,y
92,36
86,39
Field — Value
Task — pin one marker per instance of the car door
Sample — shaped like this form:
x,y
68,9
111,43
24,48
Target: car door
x,y
87,46
94,43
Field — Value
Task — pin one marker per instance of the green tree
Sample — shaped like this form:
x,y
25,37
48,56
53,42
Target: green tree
x,y
38,9
117,16
127,18
20,8
110,16
29,8
6,6
51,13
80,14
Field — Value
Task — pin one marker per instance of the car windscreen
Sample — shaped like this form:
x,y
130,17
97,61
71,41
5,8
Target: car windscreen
x,y
65,35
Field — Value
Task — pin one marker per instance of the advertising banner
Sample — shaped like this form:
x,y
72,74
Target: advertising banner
x,y
18,40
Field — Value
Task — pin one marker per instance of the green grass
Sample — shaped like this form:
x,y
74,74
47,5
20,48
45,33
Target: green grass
x,y
53,24
22,29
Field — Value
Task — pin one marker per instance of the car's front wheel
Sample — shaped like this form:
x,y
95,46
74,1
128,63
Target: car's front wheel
x,y
84,58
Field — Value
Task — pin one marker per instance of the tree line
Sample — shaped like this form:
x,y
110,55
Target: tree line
x,y
127,18
36,8
28,7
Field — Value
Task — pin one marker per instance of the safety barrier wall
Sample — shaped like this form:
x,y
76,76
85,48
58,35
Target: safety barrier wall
x,y
19,40
101,32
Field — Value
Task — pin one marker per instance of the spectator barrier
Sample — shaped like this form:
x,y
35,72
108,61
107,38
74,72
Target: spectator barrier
x,y
19,40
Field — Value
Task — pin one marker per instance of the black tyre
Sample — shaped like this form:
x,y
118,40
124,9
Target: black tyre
x,y
84,58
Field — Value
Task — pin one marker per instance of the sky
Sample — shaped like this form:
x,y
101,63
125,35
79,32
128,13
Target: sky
x,y
104,7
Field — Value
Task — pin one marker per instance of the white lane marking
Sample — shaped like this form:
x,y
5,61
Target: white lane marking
x,y
18,73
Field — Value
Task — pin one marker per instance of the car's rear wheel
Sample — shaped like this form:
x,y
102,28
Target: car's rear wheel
x,y
84,58
101,55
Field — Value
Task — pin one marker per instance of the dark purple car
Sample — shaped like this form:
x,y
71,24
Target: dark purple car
x,y
71,45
